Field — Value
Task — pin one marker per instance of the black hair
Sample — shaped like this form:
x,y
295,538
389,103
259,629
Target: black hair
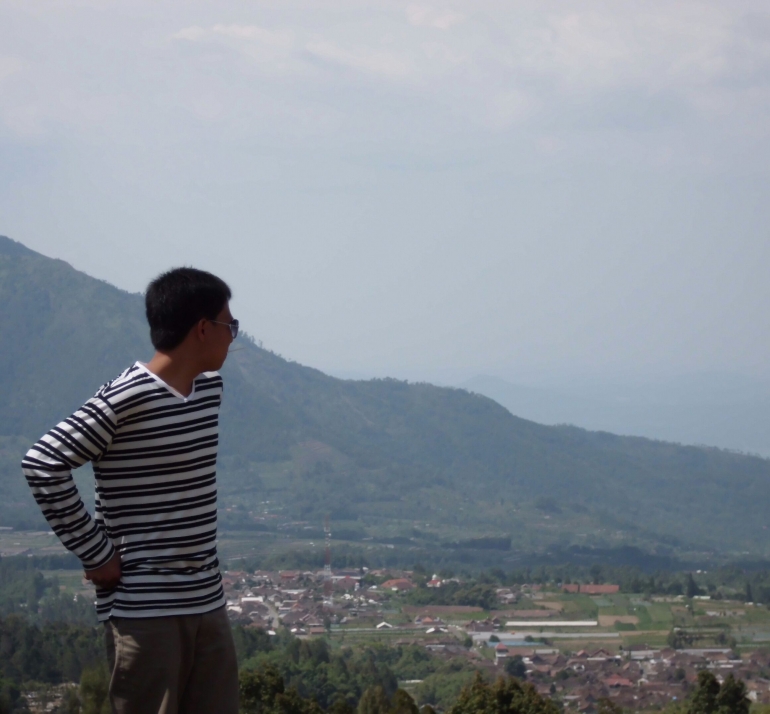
x,y
177,299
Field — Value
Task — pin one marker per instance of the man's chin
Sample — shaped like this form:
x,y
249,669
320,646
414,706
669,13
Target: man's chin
x,y
215,367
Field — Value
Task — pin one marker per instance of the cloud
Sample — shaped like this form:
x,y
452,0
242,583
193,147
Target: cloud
x,y
274,52
254,33
684,45
385,64
19,113
249,34
192,34
9,66
424,16
24,121
588,67
505,108
453,68
282,45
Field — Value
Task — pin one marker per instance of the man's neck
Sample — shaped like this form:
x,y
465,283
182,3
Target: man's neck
x,y
177,373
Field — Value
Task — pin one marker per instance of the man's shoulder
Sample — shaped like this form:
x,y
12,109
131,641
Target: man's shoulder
x,y
126,383
209,381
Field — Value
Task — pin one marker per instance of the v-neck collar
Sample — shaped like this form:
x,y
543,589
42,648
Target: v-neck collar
x,y
173,391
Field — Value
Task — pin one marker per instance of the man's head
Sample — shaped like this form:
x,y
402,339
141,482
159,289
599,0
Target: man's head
x,y
188,306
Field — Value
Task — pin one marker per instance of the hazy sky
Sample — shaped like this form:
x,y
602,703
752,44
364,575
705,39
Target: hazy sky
x,y
411,189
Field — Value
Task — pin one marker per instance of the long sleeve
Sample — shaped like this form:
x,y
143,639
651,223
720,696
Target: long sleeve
x,y
84,436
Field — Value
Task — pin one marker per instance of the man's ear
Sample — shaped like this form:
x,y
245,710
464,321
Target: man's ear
x,y
200,329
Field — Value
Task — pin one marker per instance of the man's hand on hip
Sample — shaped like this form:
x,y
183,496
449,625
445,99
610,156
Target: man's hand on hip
x,y
108,576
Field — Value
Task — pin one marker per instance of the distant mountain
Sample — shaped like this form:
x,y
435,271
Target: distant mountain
x,y
410,463
715,410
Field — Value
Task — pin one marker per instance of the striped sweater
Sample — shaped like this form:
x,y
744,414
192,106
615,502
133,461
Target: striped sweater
x,y
154,457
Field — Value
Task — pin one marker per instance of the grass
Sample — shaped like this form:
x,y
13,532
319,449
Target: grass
x,y
617,610
37,542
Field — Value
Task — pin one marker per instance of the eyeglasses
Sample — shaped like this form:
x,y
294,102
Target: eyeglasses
x,y
232,325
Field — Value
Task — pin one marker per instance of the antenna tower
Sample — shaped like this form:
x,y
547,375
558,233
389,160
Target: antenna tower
x,y
327,562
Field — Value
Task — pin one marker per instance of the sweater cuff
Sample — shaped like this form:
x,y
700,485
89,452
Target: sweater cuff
x,y
102,557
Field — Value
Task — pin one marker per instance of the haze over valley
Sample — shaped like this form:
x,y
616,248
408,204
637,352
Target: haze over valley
x,y
724,410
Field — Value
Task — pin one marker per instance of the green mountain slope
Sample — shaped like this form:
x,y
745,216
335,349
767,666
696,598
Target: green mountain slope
x,y
385,458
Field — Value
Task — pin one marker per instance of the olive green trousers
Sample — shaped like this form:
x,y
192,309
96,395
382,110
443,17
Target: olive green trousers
x,y
184,664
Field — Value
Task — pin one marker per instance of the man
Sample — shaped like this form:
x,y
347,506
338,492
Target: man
x,y
150,549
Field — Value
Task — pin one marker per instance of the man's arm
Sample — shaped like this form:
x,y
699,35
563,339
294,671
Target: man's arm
x,y
48,465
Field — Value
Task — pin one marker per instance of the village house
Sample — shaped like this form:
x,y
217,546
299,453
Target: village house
x,y
481,626
506,596
501,653
428,621
345,583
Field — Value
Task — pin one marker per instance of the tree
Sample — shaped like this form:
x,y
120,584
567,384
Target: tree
x,y
607,706
290,702
374,701
259,689
402,703
691,589
263,692
9,697
506,696
732,697
711,698
704,698
679,638
515,667
94,689
341,706
70,701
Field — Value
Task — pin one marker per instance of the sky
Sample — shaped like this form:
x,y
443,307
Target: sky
x,y
425,191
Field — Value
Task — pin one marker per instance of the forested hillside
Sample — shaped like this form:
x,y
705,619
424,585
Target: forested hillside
x,y
380,456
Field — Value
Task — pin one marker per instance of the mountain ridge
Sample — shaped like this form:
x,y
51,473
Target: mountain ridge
x,y
728,421
386,458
